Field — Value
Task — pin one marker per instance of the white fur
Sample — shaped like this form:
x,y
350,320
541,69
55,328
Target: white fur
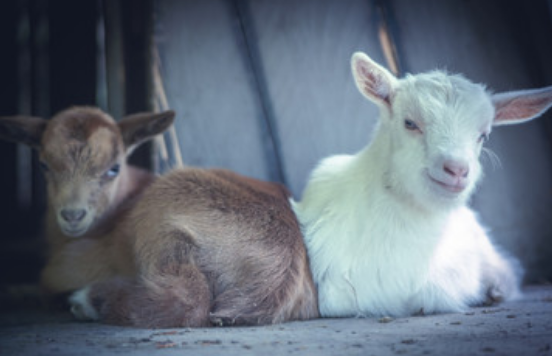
x,y
81,308
387,230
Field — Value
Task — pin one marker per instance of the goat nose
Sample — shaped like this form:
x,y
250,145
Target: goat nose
x,y
73,215
456,168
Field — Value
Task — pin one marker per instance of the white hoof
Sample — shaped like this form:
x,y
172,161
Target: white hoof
x,y
81,307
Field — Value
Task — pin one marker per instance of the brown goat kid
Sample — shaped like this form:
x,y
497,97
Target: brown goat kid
x,y
83,154
199,247
210,247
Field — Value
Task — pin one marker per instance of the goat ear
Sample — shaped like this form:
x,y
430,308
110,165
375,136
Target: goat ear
x,y
372,80
519,106
138,128
23,129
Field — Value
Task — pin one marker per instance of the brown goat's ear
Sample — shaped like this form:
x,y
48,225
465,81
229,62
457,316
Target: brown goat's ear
x,y
23,129
138,128
519,106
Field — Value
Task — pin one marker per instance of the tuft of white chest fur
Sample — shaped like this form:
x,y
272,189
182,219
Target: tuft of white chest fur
x,y
374,255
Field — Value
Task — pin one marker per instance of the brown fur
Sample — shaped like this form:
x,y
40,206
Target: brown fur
x,y
77,147
211,247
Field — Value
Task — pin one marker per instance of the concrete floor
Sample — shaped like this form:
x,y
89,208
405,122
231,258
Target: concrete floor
x,y
517,328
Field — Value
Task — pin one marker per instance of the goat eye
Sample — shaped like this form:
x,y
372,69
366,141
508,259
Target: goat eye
x,y
43,167
113,171
483,138
410,125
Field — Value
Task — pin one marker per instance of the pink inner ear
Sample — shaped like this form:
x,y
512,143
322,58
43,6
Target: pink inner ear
x,y
520,108
373,84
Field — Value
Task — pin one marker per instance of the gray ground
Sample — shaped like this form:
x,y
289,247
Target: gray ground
x,y
516,328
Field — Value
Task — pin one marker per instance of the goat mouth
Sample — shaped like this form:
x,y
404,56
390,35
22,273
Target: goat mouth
x,y
74,231
456,188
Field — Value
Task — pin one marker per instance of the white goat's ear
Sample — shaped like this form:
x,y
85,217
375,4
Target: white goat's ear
x,y
138,128
372,80
23,129
519,106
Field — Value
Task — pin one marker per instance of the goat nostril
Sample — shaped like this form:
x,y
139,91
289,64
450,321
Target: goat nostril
x,y
73,215
456,169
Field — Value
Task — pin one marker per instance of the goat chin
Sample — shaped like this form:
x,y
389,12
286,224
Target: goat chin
x,y
75,229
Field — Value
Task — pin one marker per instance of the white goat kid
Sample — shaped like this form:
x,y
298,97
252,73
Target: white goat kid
x,y
387,230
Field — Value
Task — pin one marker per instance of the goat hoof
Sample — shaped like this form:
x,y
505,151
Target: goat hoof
x,y
81,307
217,320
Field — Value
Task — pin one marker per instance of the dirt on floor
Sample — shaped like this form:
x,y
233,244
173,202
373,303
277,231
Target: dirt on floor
x,y
522,327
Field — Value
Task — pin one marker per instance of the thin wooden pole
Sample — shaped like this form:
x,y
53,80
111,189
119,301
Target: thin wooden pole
x,y
162,103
